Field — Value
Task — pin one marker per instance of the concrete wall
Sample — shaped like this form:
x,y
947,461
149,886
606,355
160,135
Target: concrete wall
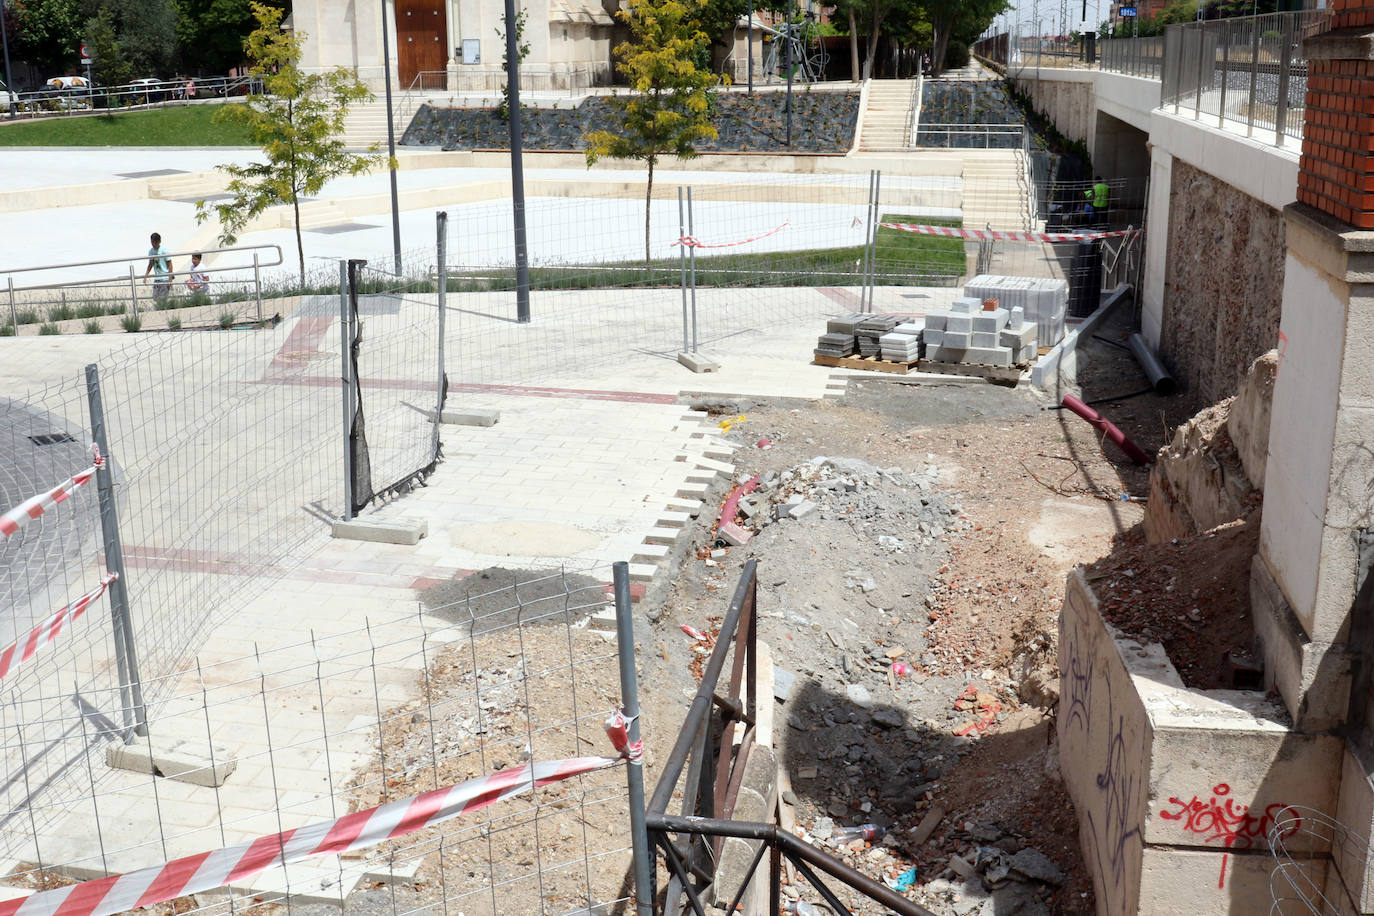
x,y
1176,789
1223,284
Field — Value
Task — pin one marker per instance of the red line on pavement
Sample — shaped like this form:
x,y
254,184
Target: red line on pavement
x,y
842,296
303,340
573,394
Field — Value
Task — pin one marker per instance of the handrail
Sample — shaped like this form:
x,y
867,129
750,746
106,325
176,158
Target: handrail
x,y
713,782
129,261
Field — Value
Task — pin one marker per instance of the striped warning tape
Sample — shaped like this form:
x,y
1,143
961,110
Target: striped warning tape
x,y
232,864
1007,235
691,241
25,649
31,508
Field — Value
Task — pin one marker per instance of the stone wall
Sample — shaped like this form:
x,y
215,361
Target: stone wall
x,y
1069,105
1223,287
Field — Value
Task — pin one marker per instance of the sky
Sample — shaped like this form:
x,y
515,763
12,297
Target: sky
x,y
1051,13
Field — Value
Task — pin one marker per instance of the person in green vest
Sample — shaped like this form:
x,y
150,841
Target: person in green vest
x,y
1098,199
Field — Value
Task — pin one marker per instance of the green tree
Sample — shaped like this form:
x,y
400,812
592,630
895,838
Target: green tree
x,y
49,33
211,33
298,122
963,20
109,66
670,102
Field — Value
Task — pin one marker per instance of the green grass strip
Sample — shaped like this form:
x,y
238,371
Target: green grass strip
x,y
183,125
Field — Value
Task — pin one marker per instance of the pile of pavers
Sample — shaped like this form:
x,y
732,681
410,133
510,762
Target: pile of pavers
x,y
838,339
902,344
1042,300
972,333
870,332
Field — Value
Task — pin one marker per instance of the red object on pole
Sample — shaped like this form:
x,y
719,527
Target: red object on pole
x,y
1133,451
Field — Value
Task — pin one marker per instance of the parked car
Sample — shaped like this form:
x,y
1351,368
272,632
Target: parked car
x,y
148,90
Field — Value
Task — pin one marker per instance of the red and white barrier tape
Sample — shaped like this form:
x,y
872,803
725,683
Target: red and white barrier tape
x,y
618,730
691,241
1007,235
231,865
30,509
25,649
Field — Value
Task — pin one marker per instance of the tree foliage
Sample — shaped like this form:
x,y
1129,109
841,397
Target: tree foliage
x,y
669,107
211,33
109,66
48,33
298,123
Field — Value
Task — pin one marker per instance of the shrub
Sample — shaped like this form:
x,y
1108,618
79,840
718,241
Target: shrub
x,y
63,312
93,327
132,323
49,328
956,55
227,319
174,324
27,316
6,330
117,309
90,310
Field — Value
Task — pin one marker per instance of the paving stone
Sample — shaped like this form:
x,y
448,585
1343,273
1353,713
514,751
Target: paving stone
x,y
983,339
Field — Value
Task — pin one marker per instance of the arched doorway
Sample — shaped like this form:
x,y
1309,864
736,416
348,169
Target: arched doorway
x,y
421,30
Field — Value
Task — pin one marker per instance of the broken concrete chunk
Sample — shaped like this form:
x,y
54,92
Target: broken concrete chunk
x,y
733,534
1037,866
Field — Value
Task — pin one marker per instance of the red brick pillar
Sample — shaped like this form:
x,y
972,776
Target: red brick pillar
x,y
1336,171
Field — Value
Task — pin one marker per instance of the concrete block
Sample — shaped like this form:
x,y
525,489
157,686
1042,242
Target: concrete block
x,y
1016,339
469,416
988,356
405,531
993,321
959,324
935,321
602,620
958,340
802,510
733,534
947,354
758,796
1016,319
661,535
180,761
966,305
983,339
932,338
698,362
642,572
1028,353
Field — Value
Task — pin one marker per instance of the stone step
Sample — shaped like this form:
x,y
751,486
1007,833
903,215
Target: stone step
x,y
662,535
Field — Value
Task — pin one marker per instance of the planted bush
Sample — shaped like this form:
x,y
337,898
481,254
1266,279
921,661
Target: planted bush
x,y
132,323
93,327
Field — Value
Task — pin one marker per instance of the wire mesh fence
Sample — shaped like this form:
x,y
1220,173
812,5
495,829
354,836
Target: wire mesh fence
x,y
480,680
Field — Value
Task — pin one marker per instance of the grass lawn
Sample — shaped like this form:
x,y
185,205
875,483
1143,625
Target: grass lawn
x,y
184,125
902,259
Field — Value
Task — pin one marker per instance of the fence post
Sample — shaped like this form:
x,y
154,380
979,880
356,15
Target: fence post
x,y
126,653
133,292
1285,62
634,773
868,234
877,215
692,269
257,286
345,338
682,258
1225,72
1254,76
14,315
1201,55
441,263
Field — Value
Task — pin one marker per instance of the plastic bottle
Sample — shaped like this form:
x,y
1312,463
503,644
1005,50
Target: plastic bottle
x,y
800,908
870,832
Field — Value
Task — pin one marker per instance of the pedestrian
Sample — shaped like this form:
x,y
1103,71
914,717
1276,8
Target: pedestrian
x,y
199,280
1099,200
160,266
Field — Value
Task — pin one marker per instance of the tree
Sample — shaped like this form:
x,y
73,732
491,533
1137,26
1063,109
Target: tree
x,y
109,66
211,33
670,107
960,19
298,122
49,33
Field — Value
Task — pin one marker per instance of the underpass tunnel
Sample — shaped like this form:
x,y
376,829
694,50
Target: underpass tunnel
x,y
1119,150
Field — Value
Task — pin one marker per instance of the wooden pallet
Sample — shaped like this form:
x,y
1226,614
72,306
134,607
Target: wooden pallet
x,y
970,370
866,363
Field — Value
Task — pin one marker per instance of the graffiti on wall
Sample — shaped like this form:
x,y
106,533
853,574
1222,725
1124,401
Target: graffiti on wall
x,y
1222,821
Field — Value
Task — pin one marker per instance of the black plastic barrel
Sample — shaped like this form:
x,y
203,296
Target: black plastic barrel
x,y
1085,279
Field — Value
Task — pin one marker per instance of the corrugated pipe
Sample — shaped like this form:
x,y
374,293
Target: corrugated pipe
x,y
1133,451
1159,377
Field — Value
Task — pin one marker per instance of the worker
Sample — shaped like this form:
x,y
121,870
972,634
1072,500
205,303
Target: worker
x,y
1098,199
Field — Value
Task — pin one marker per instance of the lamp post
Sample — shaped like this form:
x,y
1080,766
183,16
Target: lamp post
x,y
517,166
5,41
391,140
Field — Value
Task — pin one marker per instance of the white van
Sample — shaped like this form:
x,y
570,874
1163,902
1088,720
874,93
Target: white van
x,y
7,98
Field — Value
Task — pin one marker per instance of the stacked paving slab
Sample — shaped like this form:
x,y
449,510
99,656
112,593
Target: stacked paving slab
x,y
1043,301
838,339
870,332
968,333
902,344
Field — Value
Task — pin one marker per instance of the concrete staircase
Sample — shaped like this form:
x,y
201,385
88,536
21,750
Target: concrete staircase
x,y
366,122
994,191
887,116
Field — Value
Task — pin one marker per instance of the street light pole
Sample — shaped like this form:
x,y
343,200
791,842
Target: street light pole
x,y
391,140
5,40
517,166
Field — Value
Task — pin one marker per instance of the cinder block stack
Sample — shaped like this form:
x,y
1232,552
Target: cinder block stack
x,y
969,333
870,332
1043,301
839,340
902,344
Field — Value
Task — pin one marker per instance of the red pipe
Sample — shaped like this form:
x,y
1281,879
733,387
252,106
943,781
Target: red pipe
x,y
731,506
1099,422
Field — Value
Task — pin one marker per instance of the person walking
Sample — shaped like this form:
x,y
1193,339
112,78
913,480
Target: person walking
x,y
1099,198
160,266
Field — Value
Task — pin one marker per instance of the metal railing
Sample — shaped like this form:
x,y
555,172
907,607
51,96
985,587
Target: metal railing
x,y
714,762
71,100
970,136
1132,56
116,294
1247,71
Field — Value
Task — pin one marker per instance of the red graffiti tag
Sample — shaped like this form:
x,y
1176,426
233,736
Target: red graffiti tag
x,y
1222,820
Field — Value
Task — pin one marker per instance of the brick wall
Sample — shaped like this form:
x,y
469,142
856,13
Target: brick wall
x,y
1337,166
1223,288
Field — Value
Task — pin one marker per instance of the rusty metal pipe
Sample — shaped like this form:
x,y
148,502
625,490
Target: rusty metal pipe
x,y
1108,429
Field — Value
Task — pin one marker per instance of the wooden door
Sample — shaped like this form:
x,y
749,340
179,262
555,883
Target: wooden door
x,y
420,41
